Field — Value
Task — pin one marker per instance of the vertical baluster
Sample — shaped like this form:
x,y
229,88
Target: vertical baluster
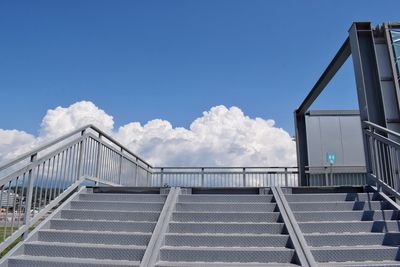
x,y
35,188
14,205
21,200
29,197
47,182
41,186
6,210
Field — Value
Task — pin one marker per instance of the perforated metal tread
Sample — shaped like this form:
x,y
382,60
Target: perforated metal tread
x,y
218,227
221,264
371,196
110,215
103,225
226,240
348,227
223,254
364,263
358,253
352,239
225,207
138,198
340,205
346,215
114,205
225,216
226,198
41,261
107,252
94,237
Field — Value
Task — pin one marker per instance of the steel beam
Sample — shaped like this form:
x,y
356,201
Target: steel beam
x,y
299,114
366,73
337,62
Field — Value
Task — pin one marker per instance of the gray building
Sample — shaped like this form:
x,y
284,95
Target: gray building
x,y
337,134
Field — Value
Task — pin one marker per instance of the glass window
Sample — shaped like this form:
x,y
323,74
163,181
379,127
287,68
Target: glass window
x,y
395,34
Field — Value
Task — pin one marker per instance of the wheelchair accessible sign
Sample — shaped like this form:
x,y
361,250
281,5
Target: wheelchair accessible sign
x,y
331,157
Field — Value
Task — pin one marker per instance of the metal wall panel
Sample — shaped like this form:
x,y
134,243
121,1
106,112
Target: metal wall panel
x,y
340,134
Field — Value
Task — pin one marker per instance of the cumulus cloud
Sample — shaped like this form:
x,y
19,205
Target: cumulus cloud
x,y
14,143
220,137
61,120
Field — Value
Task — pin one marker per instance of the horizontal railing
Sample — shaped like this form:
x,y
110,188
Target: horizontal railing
x,y
383,146
336,175
36,182
225,176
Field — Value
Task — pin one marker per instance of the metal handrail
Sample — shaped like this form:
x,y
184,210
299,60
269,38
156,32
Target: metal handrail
x,y
64,137
31,185
375,127
382,156
225,176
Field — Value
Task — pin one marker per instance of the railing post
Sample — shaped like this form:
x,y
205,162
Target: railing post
x,y
98,157
120,166
202,177
147,175
80,162
286,177
162,177
28,200
326,176
244,177
136,172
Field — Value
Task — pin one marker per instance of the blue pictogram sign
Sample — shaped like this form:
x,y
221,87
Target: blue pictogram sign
x,y
331,157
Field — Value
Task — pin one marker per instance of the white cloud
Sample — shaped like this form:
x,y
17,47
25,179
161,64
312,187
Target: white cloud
x,y
220,137
61,120
14,142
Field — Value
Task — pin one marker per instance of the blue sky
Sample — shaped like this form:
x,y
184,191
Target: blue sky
x,y
141,60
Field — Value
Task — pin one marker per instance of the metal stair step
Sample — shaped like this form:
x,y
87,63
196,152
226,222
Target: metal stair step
x,y
226,217
220,264
95,237
122,197
360,253
363,263
353,239
339,206
121,206
76,250
102,225
347,227
353,215
226,198
243,228
206,254
233,207
329,197
149,216
41,261
224,240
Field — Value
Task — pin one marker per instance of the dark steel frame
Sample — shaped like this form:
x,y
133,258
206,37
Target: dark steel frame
x,y
362,45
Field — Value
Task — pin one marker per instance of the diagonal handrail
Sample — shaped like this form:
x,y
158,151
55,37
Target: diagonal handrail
x,y
32,184
66,136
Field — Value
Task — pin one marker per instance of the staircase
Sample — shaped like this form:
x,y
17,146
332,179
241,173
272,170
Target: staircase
x,y
93,229
131,226
350,228
226,230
